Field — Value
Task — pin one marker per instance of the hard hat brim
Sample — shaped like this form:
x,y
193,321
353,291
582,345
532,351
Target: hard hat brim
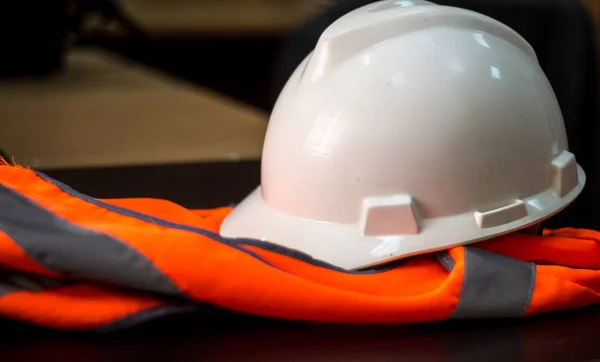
x,y
343,245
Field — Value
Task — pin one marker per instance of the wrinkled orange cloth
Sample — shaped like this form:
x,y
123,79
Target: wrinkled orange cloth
x,y
69,261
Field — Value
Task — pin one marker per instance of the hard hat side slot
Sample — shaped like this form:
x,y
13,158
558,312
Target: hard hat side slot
x,y
392,215
502,215
565,176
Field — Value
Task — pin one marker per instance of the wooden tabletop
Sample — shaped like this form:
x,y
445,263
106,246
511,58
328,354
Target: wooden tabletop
x,y
167,17
214,336
107,111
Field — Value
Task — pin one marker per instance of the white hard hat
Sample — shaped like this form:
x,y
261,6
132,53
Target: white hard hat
x,y
410,128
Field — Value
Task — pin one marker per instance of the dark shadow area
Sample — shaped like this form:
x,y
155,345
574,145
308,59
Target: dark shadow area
x,y
205,185
564,336
33,42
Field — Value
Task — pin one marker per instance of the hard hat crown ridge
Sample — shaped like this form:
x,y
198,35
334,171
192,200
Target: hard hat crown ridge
x,y
382,21
410,128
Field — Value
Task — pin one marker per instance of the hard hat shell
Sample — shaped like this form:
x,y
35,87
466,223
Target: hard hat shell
x,y
410,128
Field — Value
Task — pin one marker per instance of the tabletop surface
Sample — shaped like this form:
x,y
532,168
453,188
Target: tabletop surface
x,y
104,110
571,336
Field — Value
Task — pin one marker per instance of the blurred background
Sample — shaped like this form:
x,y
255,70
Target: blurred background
x,y
171,98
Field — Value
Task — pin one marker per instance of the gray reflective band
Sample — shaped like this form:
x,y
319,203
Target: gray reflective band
x,y
12,281
446,260
77,252
494,285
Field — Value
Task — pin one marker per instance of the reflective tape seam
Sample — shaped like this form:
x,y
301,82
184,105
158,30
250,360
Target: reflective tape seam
x,y
13,281
77,252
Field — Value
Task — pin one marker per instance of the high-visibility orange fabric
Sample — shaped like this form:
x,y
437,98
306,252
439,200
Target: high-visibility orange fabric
x,y
261,281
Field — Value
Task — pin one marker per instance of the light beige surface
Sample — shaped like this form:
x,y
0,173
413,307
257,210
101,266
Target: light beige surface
x,y
221,16
107,111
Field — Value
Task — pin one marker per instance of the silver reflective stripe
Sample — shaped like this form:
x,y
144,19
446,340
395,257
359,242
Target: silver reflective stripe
x,y
76,252
11,281
494,285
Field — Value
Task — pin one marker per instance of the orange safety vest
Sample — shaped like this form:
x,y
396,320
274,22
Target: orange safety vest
x,y
70,261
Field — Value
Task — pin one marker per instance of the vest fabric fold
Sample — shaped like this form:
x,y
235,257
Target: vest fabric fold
x,y
70,261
